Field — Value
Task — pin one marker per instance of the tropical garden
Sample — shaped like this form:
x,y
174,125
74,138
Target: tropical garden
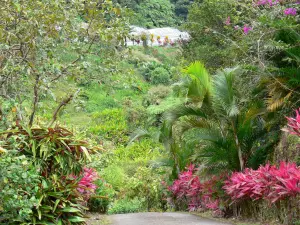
x,y
210,125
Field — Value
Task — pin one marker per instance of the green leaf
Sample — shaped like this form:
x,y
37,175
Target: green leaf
x,y
86,153
76,219
39,214
70,209
56,204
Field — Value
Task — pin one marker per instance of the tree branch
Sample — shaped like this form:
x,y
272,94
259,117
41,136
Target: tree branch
x,y
61,105
35,99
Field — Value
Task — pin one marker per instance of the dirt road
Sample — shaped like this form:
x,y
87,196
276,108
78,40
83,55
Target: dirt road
x,y
160,219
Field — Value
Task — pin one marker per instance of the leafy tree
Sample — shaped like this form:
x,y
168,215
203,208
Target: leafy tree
x,y
182,8
33,32
226,130
55,160
223,130
155,13
131,4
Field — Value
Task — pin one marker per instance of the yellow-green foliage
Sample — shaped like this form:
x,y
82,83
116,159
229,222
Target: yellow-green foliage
x,y
114,175
144,150
110,124
145,184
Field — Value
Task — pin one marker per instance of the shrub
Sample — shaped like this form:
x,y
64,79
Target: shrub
x,y
145,184
156,94
126,205
110,124
100,201
160,76
19,181
65,185
188,191
268,183
114,175
143,150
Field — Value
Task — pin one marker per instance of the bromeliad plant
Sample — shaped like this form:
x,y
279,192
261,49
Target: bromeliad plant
x,y
65,185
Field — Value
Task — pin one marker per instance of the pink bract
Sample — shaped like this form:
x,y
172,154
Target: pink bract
x,y
188,188
86,185
268,182
290,12
294,124
227,22
246,29
267,2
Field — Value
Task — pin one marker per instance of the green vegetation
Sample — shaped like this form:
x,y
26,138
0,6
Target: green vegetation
x,y
90,124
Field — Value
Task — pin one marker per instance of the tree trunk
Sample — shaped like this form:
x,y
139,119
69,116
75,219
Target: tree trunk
x,y
237,143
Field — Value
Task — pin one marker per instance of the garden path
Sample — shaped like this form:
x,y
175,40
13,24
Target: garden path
x,y
161,219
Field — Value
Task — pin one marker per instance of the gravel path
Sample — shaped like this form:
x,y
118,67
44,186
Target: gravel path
x,y
160,219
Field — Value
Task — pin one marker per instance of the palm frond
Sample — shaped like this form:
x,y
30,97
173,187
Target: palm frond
x,y
138,133
224,94
182,110
200,83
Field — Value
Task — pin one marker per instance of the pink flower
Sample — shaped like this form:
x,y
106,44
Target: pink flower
x,y
86,185
227,22
290,11
246,29
267,2
294,124
236,27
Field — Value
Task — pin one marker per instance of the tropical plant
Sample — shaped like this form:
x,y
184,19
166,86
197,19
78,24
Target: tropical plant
x,y
19,181
223,130
65,185
99,202
268,183
30,47
189,192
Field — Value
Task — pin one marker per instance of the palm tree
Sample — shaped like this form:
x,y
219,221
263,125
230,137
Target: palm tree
x,y
214,125
224,131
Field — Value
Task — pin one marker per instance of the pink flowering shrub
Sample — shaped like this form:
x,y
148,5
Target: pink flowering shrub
x,y
268,183
246,29
267,2
188,189
290,12
227,22
294,124
86,185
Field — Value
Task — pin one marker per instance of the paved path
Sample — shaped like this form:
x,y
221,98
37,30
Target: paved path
x,y
160,219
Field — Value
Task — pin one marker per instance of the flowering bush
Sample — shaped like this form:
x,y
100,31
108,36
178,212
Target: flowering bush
x,y
86,185
188,189
56,160
268,182
294,124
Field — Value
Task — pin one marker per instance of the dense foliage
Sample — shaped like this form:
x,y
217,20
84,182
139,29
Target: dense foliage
x,y
195,125
54,163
